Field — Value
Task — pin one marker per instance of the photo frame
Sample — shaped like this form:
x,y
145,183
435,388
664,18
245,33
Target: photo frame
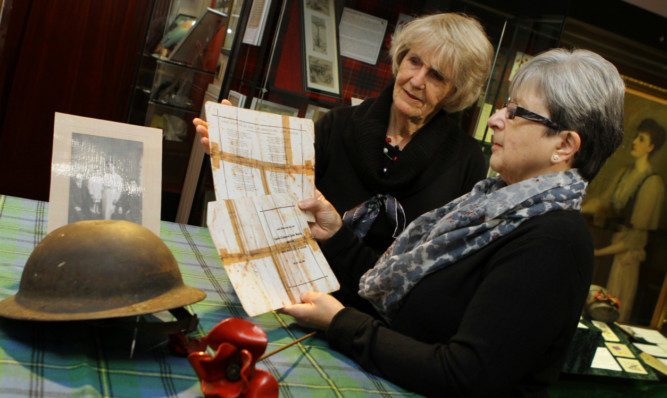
x,y
639,105
254,30
642,102
105,170
319,47
314,112
195,48
273,107
177,30
236,98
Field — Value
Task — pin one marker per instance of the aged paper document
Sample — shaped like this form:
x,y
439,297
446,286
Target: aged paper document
x,y
257,153
262,164
268,252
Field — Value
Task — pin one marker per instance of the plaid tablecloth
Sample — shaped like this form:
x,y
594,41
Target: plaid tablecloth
x,y
90,359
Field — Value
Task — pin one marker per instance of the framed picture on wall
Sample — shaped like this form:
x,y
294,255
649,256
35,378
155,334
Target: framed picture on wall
x,y
631,186
102,170
319,47
314,112
236,98
259,104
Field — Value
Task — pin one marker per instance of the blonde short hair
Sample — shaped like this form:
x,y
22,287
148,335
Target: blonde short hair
x,y
459,47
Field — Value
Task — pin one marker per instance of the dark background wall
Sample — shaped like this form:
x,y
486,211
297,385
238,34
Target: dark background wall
x,y
80,57
75,57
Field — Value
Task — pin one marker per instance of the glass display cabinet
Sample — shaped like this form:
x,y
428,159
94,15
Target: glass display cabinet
x,y
182,63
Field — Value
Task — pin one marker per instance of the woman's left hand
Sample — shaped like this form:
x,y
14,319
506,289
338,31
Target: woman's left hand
x,y
327,220
201,127
315,311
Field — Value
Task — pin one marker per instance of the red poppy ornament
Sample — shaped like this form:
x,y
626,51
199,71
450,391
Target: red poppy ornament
x,y
231,372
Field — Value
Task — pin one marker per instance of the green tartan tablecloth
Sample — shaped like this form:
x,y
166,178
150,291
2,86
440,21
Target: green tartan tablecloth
x,y
91,359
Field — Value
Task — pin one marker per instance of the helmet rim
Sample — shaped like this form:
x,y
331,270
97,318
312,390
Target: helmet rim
x,y
66,310
97,269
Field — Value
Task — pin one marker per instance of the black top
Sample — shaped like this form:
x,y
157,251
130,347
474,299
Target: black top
x,y
439,164
496,323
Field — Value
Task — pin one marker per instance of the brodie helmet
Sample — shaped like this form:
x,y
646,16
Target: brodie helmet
x,y
99,269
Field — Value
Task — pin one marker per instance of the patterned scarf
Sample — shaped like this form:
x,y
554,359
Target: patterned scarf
x,y
361,218
445,235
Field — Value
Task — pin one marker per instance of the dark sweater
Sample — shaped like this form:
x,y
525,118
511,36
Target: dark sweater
x,y
496,323
440,162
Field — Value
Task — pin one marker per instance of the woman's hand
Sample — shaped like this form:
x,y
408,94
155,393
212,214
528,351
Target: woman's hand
x,y
327,220
315,311
201,127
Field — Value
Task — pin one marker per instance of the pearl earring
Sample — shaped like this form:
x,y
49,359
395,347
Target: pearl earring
x,y
555,158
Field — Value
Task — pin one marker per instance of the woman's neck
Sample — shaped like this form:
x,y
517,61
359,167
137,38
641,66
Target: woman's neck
x,y
401,128
642,163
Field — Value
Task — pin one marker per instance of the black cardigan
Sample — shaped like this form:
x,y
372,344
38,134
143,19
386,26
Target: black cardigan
x,y
496,323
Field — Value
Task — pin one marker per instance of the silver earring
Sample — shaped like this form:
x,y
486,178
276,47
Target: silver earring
x,y
555,158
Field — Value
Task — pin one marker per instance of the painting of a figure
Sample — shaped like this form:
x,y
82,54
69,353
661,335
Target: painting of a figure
x,y
625,203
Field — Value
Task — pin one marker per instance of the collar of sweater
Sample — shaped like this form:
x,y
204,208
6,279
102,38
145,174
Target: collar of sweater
x,y
365,139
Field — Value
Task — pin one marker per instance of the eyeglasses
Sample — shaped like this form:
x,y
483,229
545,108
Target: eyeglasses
x,y
514,110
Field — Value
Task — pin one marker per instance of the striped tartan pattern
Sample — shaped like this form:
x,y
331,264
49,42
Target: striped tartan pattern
x,y
357,79
92,359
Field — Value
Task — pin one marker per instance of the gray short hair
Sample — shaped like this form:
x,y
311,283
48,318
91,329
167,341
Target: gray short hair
x,y
582,92
458,43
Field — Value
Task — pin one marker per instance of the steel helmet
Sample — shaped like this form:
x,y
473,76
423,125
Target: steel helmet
x,y
98,269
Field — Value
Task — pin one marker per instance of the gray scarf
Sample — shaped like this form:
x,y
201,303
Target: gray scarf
x,y
445,235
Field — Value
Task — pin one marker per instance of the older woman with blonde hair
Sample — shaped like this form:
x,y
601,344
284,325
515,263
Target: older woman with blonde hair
x,y
481,297
394,157
399,155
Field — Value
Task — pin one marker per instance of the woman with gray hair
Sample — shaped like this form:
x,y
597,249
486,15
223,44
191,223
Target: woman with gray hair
x,y
481,297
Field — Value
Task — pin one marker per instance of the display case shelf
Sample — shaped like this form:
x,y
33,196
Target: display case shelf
x,y
168,94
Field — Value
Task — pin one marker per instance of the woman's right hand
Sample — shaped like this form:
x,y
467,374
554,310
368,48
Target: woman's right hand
x,y
316,310
201,127
327,220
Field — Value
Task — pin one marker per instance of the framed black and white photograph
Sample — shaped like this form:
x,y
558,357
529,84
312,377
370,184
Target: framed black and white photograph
x,y
102,170
320,47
